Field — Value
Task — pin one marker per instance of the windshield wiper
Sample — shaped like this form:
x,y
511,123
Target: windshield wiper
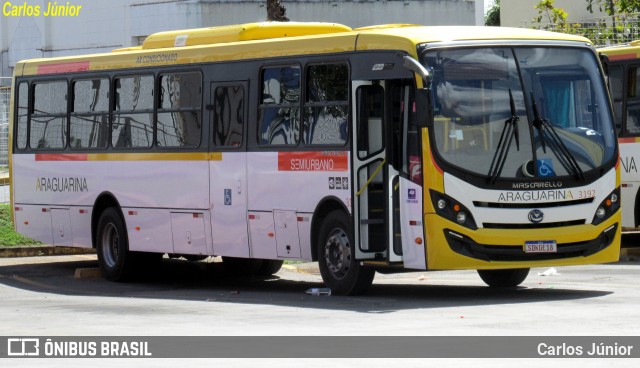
x,y
548,133
509,131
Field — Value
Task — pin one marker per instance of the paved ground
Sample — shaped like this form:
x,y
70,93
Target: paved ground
x,y
40,296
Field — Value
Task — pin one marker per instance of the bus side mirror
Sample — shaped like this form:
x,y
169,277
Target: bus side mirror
x,y
423,115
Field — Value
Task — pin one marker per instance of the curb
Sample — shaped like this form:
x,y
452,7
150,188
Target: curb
x,y
35,251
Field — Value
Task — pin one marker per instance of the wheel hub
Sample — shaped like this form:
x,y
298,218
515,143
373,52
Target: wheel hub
x,y
337,253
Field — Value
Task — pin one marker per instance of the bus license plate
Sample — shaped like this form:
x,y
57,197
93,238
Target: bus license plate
x,y
541,246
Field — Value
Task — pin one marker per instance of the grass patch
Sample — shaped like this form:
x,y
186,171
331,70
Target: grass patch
x,y
8,236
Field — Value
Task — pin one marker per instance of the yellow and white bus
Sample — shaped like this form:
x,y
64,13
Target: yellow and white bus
x,y
393,147
623,67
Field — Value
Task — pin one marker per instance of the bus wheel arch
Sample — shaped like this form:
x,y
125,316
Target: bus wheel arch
x,y
112,246
326,206
335,250
105,200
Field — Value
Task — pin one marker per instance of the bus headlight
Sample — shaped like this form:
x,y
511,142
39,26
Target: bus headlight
x,y
607,207
452,210
461,217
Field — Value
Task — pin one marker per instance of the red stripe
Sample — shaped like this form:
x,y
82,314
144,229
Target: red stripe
x,y
622,57
313,161
76,66
61,157
626,140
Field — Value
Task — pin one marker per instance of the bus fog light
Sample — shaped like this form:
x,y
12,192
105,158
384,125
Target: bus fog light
x,y
442,204
461,217
600,212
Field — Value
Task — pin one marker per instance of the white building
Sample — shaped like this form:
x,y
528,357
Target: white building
x,y
29,30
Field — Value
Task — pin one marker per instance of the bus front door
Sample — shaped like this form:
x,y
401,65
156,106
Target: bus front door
x,y
370,170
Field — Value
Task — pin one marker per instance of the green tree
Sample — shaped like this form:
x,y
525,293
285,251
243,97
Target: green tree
x,y
548,13
618,10
276,11
613,7
492,17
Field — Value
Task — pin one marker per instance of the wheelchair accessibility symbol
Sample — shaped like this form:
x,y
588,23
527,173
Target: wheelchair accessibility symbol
x,y
227,197
545,168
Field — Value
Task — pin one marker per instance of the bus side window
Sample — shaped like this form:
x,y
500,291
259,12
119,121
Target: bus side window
x,y
279,111
49,118
326,107
22,113
616,76
133,117
179,122
632,125
88,125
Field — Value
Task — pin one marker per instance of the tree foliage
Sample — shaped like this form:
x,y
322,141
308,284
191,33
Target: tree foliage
x,y
613,7
492,17
276,12
549,14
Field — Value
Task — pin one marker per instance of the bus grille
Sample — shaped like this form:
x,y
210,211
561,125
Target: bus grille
x,y
466,246
492,225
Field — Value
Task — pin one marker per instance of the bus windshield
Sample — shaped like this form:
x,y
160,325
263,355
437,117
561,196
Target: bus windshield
x,y
518,112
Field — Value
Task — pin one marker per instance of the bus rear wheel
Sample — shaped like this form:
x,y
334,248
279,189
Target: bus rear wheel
x,y
269,267
336,257
112,247
504,278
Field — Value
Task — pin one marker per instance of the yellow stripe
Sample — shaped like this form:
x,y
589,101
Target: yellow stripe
x,y
187,156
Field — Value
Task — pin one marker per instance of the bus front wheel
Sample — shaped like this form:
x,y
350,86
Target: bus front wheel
x,y
336,257
504,278
112,247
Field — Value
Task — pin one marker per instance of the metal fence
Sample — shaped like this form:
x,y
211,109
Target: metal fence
x,y
602,31
5,99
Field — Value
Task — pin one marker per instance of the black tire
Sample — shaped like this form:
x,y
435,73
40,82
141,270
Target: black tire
x,y
504,278
269,267
241,266
112,246
194,257
336,257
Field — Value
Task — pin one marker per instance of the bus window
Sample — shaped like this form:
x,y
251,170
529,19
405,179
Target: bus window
x,y
133,114
229,117
22,113
568,101
49,119
280,108
370,113
179,114
88,122
632,125
327,105
616,75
